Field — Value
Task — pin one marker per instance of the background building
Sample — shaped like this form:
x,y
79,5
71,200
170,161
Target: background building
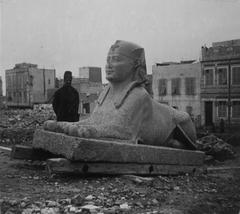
x,y
1,94
26,85
1,85
178,85
220,83
93,74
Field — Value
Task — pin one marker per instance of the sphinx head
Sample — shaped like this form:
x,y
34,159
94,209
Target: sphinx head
x,y
125,61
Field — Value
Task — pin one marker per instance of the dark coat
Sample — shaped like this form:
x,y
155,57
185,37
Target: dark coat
x,y
65,104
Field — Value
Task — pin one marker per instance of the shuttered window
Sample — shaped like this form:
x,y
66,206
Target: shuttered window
x,y
190,85
176,86
162,87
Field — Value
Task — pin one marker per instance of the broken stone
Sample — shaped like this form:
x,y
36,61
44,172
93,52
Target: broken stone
x,y
89,198
65,201
138,179
50,210
155,201
215,147
23,204
13,202
176,188
90,207
138,203
124,206
77,200
52,204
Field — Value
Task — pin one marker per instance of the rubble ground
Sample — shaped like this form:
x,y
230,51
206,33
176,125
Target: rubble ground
x,y
26,187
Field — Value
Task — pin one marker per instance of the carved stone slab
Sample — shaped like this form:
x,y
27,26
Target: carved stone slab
x,y
96,150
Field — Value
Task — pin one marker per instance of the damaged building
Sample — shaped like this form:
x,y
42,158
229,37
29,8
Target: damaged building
x,y
26,85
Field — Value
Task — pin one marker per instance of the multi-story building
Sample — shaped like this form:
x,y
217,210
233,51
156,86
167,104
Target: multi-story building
x,y
1,88
26,84
89,86
220,83
1,94
178,85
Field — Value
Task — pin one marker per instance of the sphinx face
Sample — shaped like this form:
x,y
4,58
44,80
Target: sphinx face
x,y
119,68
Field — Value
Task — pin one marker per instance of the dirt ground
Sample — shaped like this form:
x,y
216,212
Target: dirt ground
x,y
26,187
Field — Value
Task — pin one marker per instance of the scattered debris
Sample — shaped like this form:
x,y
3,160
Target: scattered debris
x,y
18,126
215,147
27,188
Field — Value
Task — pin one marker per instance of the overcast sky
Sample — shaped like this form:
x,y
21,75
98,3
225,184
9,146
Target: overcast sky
x,y
68,34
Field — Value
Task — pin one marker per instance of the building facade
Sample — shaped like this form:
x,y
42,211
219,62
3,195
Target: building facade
x,y
1,87
220,83
178,85
1,94
26,84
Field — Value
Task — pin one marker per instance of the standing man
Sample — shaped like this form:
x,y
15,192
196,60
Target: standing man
x,y
66,101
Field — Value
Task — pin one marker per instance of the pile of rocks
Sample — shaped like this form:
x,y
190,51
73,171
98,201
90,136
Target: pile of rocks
x,y
26,118
215,147
18,125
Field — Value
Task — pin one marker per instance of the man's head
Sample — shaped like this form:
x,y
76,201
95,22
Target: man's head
x,y
125,60
67,78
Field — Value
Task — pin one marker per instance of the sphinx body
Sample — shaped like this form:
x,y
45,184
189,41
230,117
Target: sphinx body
x,y
132,115
126,111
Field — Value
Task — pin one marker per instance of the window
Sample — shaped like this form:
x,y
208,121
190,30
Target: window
x,y
236,75
222,76
49,81
222,109
236,109
25,96
8,81
208,77
162,87
176,86
190,86
9,97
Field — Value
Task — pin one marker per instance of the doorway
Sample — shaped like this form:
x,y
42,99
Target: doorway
x,y
208,113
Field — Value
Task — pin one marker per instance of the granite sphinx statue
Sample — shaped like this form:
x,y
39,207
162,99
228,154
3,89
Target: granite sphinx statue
x,y
126,111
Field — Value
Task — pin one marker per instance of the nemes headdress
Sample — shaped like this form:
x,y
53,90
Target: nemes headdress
x,y
132,51
136,53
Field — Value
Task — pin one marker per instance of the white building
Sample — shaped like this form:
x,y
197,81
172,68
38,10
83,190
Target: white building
x,y
178,85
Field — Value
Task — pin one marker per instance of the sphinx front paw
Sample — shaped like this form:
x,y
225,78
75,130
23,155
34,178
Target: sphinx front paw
x,y
50,125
